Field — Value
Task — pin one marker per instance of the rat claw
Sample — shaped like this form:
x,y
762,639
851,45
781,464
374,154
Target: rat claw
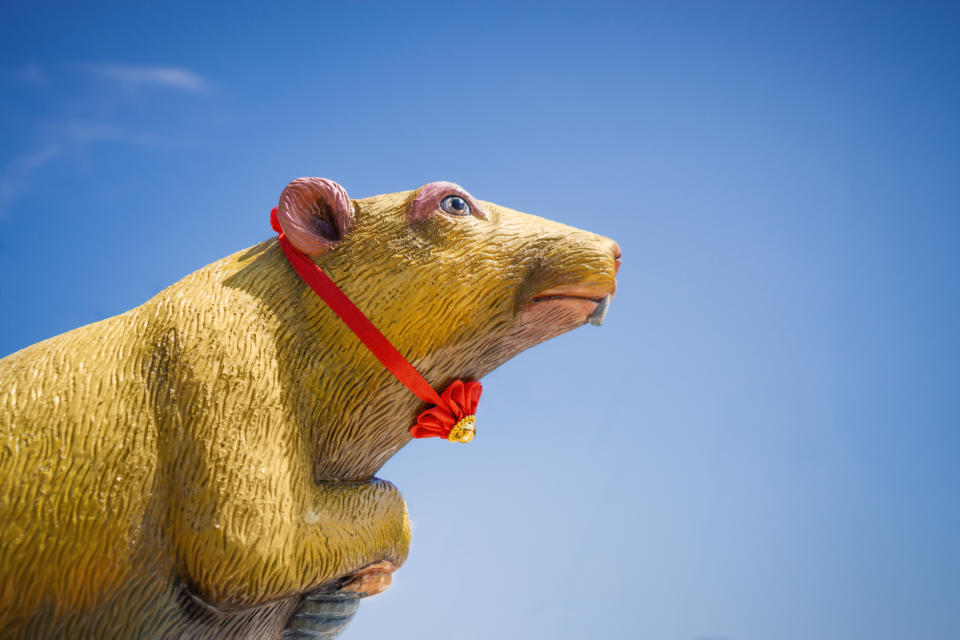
x,y
372,579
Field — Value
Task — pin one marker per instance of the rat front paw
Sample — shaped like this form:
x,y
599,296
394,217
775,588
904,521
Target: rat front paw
x,y
372,579
327,611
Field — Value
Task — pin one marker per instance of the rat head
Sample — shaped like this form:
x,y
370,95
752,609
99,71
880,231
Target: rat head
x,y
458,286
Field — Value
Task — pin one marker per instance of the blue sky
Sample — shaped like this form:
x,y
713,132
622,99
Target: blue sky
x,y
762,442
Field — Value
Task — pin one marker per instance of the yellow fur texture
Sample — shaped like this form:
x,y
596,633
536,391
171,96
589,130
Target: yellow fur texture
x,y
192,467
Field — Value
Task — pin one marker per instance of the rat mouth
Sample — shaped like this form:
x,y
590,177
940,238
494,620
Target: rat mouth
x,y
591,292
598,296
547,298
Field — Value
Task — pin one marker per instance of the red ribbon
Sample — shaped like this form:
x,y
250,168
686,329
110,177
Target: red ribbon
x,y
458,401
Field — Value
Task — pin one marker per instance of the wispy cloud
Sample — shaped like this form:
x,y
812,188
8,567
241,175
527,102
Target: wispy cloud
x,y
81,132
169,77
32,74
77,129
16,176
67,139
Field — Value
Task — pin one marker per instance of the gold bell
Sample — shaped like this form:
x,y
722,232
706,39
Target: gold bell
x,y
464,430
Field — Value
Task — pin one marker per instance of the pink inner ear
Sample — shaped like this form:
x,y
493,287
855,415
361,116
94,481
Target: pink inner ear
x,y
428,200
315,214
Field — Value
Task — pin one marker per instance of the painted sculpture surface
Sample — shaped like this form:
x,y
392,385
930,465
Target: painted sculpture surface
x,y
203,465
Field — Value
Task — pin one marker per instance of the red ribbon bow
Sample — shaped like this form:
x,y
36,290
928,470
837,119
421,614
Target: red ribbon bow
x,y
459,408
453,414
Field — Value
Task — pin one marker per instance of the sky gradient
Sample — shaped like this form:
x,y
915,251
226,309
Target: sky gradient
x,y
762,441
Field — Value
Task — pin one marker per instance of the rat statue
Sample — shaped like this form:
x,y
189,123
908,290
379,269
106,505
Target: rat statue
x,y
202,466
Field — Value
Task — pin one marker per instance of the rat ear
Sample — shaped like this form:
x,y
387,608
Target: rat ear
x,y
315,214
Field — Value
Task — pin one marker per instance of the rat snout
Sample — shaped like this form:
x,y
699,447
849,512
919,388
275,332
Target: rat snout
x,y
568,276
583,279
617,259
589,275
600,313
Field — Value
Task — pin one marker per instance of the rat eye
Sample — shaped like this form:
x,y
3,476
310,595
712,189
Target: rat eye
x,y
455,206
